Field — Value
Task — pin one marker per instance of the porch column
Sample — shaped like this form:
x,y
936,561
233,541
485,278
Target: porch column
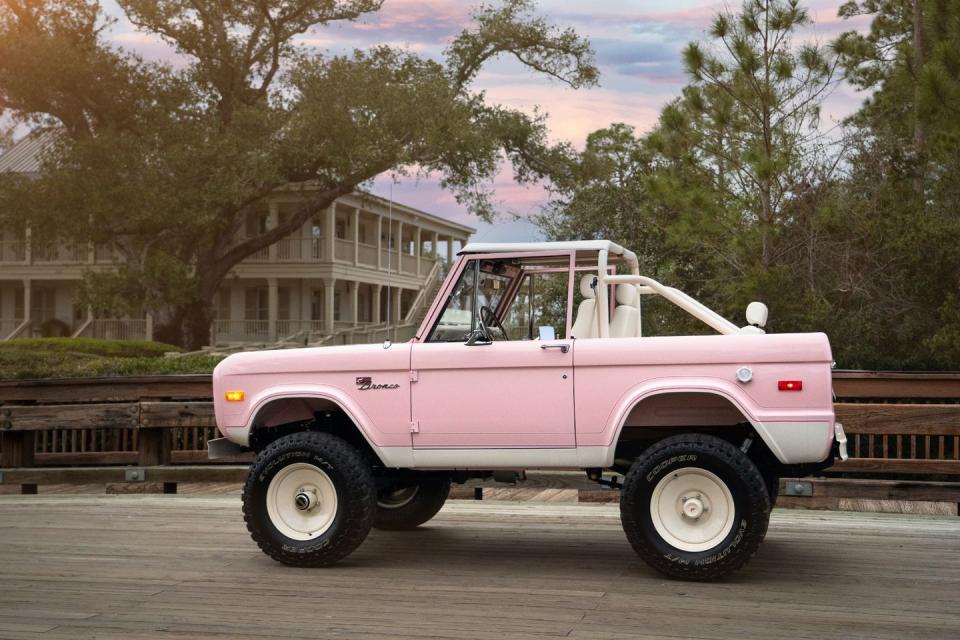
x,y
449,251
305,305
356,235
375,303
354,301
328,322
27,302
419,249
400,247
272,221
28,247
331,231
434,250
379,243
273,302
396,305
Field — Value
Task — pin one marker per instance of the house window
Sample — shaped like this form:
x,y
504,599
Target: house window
x,y
223,304
257,307
256,224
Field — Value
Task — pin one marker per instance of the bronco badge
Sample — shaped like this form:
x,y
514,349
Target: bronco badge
x,y
365,383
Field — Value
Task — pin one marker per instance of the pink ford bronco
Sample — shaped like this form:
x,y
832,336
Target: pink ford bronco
x,y
535,356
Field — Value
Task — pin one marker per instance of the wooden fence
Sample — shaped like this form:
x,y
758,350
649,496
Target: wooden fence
x,y
897,424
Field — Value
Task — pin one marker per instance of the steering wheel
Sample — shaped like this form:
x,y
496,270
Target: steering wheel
x,y
489,319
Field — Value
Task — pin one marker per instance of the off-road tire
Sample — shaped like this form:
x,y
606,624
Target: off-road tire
x,y
352,479
426,503
747,488
773,489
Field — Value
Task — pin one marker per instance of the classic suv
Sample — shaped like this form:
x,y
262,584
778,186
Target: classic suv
x,y
535,356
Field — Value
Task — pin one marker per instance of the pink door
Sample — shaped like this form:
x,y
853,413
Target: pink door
x,y
508,394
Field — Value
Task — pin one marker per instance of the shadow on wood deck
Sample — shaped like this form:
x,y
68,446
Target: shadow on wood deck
x,y
183,567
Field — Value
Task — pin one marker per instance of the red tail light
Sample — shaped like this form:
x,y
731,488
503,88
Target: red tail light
x,y
790,385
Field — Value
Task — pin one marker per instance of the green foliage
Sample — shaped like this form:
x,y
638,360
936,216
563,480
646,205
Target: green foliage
x,y
29,358
164,165
733,197
91,346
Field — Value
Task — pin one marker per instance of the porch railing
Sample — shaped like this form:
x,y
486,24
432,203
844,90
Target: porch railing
x,y
11,328
344,250
118,329
425,295
226,331
13,251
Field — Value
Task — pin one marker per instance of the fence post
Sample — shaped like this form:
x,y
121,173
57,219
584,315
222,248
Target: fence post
x,y
16,451
154,447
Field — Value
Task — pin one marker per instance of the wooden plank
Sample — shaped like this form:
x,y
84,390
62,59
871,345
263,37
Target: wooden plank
x,y
114,389
175,414
873,384
98,458
882,489
847,384
894,419
16,448
96,475
478,571
200,457
71,416
154,447
882,465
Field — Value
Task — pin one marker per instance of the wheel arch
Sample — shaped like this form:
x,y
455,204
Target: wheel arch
x,y
679,405
279,408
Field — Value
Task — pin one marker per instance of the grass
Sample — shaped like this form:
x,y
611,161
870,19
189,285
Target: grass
x,y
30,358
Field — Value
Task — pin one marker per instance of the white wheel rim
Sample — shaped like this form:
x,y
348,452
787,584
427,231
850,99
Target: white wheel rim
x,y
301,501
399,498
692,509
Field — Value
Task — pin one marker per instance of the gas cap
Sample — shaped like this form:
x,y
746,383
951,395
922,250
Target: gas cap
x,y
744,374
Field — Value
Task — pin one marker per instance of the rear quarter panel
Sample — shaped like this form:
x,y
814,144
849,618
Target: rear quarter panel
x,y
612,375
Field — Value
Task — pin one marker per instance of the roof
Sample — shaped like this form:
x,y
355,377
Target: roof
x,y
385,202
24,156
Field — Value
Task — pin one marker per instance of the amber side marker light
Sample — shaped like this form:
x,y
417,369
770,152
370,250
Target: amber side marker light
x,y
790,385
234,396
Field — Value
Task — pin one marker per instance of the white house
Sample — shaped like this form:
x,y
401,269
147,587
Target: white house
x,y
363,271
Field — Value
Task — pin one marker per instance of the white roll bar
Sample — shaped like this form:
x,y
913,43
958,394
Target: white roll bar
x,y
649,286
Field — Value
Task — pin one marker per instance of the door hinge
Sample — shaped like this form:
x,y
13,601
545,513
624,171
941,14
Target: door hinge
x,y
414,375
415,426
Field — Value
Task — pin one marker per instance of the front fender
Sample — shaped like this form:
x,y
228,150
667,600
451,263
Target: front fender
x,y
241,434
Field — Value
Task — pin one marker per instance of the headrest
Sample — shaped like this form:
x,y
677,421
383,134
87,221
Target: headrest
x,y
627,295
585,289
757,314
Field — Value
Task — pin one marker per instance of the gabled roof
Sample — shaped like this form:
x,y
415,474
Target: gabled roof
x,y
24,156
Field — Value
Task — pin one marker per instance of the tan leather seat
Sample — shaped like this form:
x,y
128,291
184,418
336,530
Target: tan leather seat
x,y
624,323
585,322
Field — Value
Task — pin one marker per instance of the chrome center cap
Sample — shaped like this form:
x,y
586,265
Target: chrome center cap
x,y
693,508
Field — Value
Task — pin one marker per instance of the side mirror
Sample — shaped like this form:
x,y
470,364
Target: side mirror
x,y
477,338
757,314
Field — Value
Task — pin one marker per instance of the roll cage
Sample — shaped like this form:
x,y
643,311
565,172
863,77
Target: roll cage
x,y
599,257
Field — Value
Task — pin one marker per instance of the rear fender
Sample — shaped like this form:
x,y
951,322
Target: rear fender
x,y
730,392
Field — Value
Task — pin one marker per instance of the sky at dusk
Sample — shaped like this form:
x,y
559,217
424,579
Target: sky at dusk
x,y
637,44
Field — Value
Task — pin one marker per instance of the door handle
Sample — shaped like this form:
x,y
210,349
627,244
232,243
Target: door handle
x,y
563,347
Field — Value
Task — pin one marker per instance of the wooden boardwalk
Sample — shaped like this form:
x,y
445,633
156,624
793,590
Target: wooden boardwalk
x,y
183,567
